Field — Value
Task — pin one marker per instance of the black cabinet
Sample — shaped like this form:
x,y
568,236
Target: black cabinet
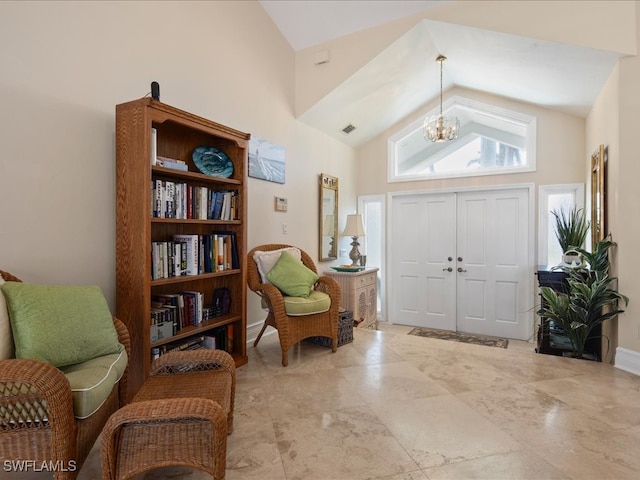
x,y
551,338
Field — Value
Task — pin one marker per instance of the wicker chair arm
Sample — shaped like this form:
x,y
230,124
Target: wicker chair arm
x,y
273,297
125,340
36,395
193,360
330,286
8,277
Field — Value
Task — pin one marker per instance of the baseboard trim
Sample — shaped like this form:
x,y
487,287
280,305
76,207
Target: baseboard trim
x,y
627,360
254,330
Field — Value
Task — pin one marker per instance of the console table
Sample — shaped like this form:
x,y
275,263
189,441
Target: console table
x,y
359,295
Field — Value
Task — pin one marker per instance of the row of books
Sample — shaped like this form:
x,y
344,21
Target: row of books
x,y
194,254
171,312
184,201
220,338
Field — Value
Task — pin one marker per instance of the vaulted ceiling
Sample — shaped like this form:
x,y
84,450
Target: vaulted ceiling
x,y
405,75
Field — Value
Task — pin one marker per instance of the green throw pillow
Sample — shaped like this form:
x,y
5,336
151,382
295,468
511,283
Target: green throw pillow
x,y
291,277
60,325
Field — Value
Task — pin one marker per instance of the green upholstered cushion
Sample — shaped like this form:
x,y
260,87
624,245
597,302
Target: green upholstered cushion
x,y
291,277
6,339
92,381
60,325
266,259
316,302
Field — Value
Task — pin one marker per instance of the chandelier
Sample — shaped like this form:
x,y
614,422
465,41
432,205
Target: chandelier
x,y
439,128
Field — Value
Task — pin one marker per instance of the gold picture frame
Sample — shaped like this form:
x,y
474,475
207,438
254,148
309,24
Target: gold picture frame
x,y
598,196
328,218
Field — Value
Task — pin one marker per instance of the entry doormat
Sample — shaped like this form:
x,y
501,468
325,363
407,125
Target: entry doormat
x,y
460,337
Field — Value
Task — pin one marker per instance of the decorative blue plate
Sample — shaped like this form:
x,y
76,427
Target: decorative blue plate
x,y
348,268
212,161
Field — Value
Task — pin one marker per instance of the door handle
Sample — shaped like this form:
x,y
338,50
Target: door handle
x,y
460,269
447,269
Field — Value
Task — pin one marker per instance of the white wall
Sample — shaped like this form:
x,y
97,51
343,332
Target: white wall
x,y
602,127
627,201
613,122
65,65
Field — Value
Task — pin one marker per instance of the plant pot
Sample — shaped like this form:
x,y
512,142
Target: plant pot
x,y
572,259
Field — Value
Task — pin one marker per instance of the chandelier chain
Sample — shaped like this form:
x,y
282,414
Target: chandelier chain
x,y
441,59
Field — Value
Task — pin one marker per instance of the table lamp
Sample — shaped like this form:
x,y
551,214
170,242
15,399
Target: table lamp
x,y
354,229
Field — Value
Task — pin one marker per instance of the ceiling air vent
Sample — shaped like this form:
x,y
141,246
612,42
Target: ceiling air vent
x,y
348,129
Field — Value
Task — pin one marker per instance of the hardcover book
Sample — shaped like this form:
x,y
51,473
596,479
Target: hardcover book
x,y
192,250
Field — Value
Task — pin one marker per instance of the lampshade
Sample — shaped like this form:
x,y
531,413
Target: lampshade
x,y
327,227
354,227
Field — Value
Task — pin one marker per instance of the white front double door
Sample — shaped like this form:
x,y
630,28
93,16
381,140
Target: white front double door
x,y
460,262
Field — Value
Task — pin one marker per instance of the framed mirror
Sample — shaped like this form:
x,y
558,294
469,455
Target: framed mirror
x,y
598,200
328,221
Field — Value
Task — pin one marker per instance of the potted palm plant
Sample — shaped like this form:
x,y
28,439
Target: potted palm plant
x,y
591,298
571,232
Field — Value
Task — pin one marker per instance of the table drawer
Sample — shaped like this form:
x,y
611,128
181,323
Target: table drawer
x,y
367,279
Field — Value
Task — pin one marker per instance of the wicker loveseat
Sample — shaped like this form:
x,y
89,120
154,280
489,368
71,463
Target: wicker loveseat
x,y
39,427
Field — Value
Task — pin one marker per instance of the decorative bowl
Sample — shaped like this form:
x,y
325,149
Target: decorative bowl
x,y
348,268
212,161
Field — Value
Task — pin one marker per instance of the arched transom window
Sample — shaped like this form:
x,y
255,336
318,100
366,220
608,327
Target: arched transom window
x,y
491,140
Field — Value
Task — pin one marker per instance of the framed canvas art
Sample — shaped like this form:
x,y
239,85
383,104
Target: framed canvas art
x,y
266,160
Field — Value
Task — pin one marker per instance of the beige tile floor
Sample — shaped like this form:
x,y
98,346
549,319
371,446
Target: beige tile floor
x,y
399,407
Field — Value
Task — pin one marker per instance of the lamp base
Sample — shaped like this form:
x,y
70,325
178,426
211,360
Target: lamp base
x,y
354,254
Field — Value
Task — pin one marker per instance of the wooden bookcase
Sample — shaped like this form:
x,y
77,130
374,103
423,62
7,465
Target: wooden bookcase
x,y
178,134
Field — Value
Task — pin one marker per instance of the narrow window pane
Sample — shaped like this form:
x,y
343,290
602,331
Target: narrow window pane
x,y
557,202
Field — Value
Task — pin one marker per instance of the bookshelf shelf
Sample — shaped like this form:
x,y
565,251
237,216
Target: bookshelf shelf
x,y
196,221
206,325
193,176
191,278
177,133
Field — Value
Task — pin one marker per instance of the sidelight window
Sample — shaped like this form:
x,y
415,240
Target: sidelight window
x,y
555,198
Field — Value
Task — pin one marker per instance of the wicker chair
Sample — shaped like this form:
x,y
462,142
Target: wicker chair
x,y
48,431
293,329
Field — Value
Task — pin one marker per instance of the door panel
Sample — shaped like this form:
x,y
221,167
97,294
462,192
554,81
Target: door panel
x,y
493,243
506,307
423,240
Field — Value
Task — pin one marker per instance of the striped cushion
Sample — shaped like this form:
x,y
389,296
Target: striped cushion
x,y
316,302
92,381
